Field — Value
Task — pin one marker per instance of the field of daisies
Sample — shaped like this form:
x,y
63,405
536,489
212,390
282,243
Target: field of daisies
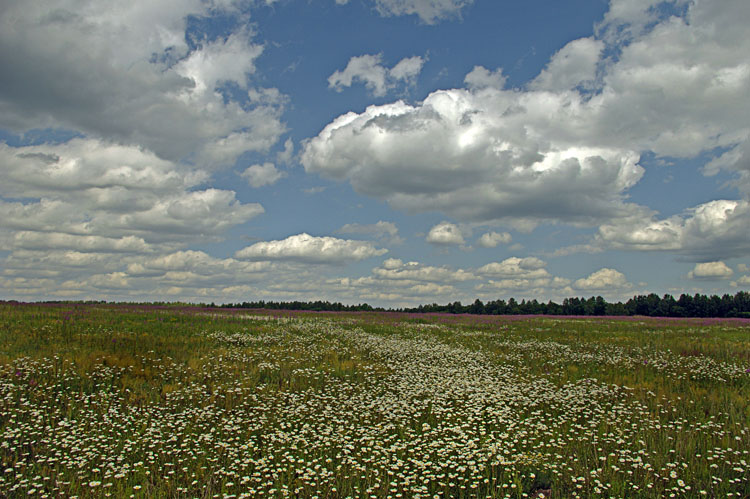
x,y
102,400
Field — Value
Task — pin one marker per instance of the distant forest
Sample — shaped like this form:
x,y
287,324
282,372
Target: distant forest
x,y
653,305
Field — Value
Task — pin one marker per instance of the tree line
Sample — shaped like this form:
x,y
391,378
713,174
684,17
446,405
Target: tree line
x,y
653,305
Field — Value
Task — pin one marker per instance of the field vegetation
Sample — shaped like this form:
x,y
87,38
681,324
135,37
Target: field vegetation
x,y
121,401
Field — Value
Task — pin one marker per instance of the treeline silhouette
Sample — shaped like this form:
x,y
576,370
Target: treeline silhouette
x,y
653,305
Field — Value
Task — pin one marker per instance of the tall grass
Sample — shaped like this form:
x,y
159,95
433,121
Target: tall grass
x,y
179,402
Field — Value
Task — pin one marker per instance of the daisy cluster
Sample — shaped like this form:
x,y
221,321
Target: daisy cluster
x,y
334,408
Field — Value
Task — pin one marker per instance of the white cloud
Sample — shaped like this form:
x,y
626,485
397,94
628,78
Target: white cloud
x,y
113,280
520,275
223,60
386,231
573,65
711,271
481,77
195,262
492,239
429,11
285,157
603,280
87,166
698,59
407,69
551,153
365,68
378,79
91,220
150,88
445,233
260,175
515,267
742,281
61,262
102,193
710,231
204,213
378,228
627,19
394,293
310,249
392,263
477,156
51,273
528,277
400,283
56,240
395,269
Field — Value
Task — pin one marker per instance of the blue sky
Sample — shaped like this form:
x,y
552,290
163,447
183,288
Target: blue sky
x,y
394,152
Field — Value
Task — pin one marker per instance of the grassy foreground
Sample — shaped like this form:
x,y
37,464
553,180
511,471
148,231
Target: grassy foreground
x,y
157,402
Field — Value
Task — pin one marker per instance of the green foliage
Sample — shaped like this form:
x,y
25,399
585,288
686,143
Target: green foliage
x,y
198,402
646,305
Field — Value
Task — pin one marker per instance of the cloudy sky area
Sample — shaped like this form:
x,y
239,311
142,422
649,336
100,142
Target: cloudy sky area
x,y
394,152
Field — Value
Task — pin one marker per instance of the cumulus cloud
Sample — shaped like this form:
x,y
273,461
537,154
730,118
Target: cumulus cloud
x,y
627,19
82,165
492,239
386,231
150,88
287,154
396,269
102,282
127,276
365,68
429,11
191,262
260,175
393,292
310,249
445,233
218,61
85,218
603,280
378,228
402,283
515,267
525,275
573,65
565,149
711,271
712,230
56,240
529,277
481,77
407,69
378,79
477,156
102,192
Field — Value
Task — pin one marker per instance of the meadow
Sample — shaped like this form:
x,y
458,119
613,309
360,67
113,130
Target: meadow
x,y
126,401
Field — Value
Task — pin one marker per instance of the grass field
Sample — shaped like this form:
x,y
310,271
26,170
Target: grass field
x,y
179,402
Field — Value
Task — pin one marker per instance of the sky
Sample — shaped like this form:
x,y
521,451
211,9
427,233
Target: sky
x,y
393,152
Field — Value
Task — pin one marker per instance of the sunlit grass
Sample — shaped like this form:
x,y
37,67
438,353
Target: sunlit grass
x,y
149,402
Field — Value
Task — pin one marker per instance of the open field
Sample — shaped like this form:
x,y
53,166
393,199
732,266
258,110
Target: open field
x,y
167,402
